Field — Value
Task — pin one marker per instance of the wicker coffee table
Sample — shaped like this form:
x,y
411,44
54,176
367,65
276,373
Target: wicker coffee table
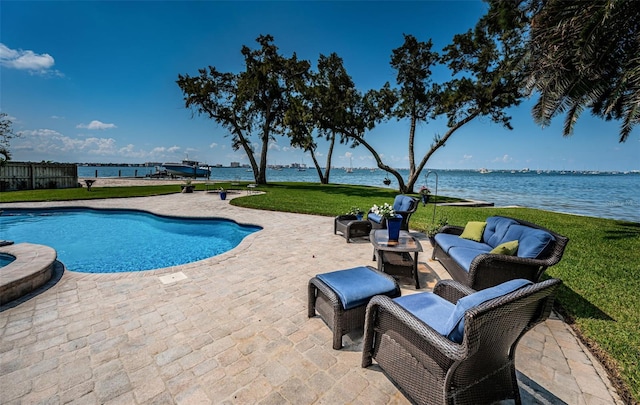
x,y
395,258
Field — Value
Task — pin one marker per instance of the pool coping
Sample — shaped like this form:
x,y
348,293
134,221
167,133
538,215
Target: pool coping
x,y
32,269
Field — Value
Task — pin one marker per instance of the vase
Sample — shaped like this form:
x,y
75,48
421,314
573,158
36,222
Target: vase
x,y
393,226
223,195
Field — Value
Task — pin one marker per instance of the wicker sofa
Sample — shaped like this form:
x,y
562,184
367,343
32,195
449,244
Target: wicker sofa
x,y
471,264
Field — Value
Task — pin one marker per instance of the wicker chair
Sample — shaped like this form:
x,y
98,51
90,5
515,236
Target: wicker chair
x,y
488,270
431,368
403,205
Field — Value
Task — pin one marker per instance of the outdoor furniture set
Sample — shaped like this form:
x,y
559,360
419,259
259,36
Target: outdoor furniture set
x,y
456,344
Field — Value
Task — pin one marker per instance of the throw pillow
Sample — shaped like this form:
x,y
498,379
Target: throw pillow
x,y
507,248
473,230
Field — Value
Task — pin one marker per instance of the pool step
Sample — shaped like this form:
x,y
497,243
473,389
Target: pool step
x,y
32,268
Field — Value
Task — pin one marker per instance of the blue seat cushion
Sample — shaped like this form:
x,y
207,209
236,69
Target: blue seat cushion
x,y
447,241
454,326
532,243
429,308
464,256
496,230
377,218
402,203
356,286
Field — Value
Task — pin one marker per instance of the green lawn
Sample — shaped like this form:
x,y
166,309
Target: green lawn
x,y
600,268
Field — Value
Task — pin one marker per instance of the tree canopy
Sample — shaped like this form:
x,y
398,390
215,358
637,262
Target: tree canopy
x,y
584,55
6,134
485,65
326,106
255,100
576,55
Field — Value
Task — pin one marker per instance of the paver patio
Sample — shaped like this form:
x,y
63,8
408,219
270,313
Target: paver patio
x,y
232,329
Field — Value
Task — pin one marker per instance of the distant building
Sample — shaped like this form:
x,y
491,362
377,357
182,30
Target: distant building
x,y
235,164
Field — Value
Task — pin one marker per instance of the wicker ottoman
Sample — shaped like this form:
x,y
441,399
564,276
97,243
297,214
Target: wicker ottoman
x,y
341,297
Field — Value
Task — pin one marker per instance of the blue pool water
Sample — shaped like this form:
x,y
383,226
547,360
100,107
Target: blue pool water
x,y
5,259
112,241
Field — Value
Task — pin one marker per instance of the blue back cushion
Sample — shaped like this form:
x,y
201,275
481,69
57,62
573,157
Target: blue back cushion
x,y
402,203
429,308
378,219
532,243
454,327
496,229
356,286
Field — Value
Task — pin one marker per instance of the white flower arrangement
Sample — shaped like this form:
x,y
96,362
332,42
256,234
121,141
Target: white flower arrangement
x,y
385,211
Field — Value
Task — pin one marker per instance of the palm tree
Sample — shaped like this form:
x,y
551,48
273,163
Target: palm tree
x,y
584,55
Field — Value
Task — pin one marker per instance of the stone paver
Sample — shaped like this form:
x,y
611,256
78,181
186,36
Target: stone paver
x,y
232,329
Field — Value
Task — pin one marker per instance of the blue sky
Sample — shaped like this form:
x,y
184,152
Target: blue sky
x,y
92,81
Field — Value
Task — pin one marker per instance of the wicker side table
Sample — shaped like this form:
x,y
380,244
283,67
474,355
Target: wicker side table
x,y
351,227
327,299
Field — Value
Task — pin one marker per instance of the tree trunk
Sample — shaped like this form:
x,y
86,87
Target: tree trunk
x,y
327,169
323,180
249,152
407,188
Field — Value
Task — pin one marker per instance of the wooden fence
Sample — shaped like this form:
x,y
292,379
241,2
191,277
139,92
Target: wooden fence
x,y
31,176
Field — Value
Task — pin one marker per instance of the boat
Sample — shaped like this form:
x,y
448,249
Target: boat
x,y
187,168
350,168
484,170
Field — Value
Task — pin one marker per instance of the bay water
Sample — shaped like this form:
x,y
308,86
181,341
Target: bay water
x,y
614,195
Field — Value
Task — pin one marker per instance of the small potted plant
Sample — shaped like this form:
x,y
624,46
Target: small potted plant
x,y
435,228
223,193
394,223
187,187
425,194
357,212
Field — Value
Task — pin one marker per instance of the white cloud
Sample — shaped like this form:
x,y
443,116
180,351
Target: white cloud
x,y
503,159
467,157
161,151
11,118
95,124
53,142
27,60
158,150
348,154
213,145
100,146
274,146
130,152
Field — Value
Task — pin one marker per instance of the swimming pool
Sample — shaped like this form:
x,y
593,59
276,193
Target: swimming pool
x,y
113,240
5,259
